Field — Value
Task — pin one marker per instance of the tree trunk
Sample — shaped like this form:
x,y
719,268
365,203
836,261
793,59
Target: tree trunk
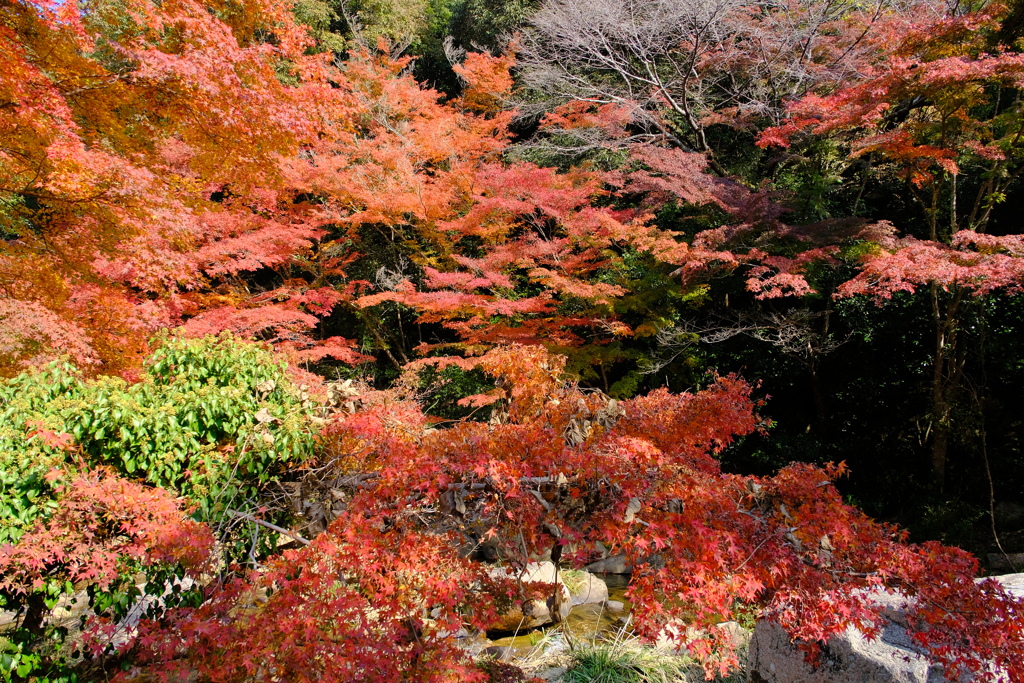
x,y
940,448
947,378
820,407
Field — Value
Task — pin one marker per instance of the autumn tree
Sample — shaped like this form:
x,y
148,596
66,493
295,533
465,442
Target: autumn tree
x,y
121,139
556,470
102,528
193,214
940,108
204,166
679,67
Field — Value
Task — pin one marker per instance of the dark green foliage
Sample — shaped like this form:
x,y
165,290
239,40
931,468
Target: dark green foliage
x,y
441,391
875,413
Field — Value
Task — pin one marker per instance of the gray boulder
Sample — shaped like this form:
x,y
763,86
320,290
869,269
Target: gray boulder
x,y
851,657
848,658
1007,562
617,564
614,564
1009,515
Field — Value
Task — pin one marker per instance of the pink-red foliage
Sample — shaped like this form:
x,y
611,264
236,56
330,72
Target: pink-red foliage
x,y
994,263
939,67
368,600
100,522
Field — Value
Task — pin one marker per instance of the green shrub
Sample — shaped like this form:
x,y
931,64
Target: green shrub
x,y
213,419
626,661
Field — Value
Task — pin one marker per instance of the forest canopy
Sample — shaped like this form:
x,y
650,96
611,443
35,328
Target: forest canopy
x,y
729,283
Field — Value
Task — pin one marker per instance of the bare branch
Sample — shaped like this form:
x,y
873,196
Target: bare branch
x,y
681,65
272,527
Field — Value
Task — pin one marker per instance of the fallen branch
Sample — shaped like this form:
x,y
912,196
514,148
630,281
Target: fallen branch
x,y
272,527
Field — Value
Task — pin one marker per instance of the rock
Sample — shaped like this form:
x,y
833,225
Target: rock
x,y
551,674
505,653
615,564
1009,561
532,613
851,657
739,636
615,606
1009,515
556,646
1013,583
473,645
669,640
588,589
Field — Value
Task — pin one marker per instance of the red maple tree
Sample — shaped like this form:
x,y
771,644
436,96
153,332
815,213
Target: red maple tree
x,y
101,522
559,469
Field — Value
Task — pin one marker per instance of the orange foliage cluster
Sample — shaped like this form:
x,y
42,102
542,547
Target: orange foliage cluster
x,y
146,164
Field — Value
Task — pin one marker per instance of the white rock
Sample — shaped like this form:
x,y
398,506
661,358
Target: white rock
x,y
551,674
532,613
593,590
1013,583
